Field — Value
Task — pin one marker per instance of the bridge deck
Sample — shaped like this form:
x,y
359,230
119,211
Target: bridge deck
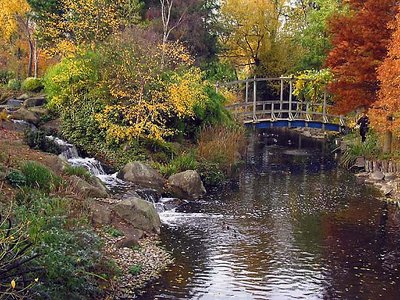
x,y
285,113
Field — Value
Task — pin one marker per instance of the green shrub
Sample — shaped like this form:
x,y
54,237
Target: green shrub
x,y
135,269
80,171
183,162
16,261
32,84
114,232
37,140
14,84
6,76
69,257
16,178
355,148
210,173
39,176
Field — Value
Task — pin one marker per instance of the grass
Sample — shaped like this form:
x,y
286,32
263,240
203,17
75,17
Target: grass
x,y
80,171
114,232
355,148
135,269
39,176
222,145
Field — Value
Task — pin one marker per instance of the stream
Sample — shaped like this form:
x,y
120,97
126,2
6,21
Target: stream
x,y
294,226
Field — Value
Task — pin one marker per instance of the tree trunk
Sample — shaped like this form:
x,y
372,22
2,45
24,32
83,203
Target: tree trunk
x,y
30,62
387,143
36,60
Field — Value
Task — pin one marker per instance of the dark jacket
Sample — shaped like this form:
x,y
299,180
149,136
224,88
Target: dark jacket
x,y
363,122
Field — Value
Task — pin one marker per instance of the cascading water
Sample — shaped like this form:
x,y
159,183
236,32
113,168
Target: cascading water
x,y
116,186
71,154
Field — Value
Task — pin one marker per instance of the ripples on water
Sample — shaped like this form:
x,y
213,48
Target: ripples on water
x,y
295,227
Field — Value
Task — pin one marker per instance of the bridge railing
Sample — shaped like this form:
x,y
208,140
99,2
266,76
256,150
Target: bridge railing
x,y
253,110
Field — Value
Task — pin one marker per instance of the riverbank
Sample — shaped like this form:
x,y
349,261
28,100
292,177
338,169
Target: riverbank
x,y
102,267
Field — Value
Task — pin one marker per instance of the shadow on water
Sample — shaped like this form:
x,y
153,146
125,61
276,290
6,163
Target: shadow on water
x,y
294,227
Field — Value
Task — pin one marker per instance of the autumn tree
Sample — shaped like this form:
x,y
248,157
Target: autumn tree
x,y
16,24
250,29
308,20
385,112
65,25
360,40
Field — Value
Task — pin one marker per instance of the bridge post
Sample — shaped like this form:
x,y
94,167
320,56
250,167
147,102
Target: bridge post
x,y
254,99
247,90
281,99
290,98
324,117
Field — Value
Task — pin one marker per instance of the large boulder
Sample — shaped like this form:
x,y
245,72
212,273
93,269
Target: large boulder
x,y
52,126
139,213
25,115
142,175
186,185
35,101
86,189
377,175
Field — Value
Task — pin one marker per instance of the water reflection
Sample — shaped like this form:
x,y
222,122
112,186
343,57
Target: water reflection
x,y
296,227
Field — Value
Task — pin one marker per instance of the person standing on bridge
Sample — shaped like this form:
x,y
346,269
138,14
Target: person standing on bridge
x,y
363,122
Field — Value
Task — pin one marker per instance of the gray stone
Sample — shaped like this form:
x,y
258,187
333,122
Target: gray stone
x,y
25,115
150,195
86,189
23,97
139,213
377,175
142,175
131,239
14,103
362,174
386,189
35,101
96,182
186,185
52,126
390,176
360,162
100,213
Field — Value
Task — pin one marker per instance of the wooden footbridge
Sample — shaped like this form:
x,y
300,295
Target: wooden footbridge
x,y
287,111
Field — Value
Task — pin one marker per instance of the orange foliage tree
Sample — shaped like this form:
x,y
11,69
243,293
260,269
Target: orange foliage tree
x,y
385,113
360,38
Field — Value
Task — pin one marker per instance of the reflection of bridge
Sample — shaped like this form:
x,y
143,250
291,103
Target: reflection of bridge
x,y
291,112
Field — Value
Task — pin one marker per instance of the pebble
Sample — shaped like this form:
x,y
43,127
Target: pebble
x,y
149,256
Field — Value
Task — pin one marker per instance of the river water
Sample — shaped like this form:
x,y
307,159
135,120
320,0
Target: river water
x,y
294,227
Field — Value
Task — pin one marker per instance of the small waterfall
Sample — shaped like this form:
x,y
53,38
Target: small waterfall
x,y
114,184
71,154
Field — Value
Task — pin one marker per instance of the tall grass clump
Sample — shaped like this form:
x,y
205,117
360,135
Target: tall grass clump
x,y
79,171
183,162
222,145
39,176
355,148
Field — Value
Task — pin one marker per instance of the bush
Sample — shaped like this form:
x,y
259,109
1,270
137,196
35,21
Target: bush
x,y
80,171
183,162
69,257
355,148
39,176
32,84
210,173
6,76
37,140
15,263
222,145
16,178
14,84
